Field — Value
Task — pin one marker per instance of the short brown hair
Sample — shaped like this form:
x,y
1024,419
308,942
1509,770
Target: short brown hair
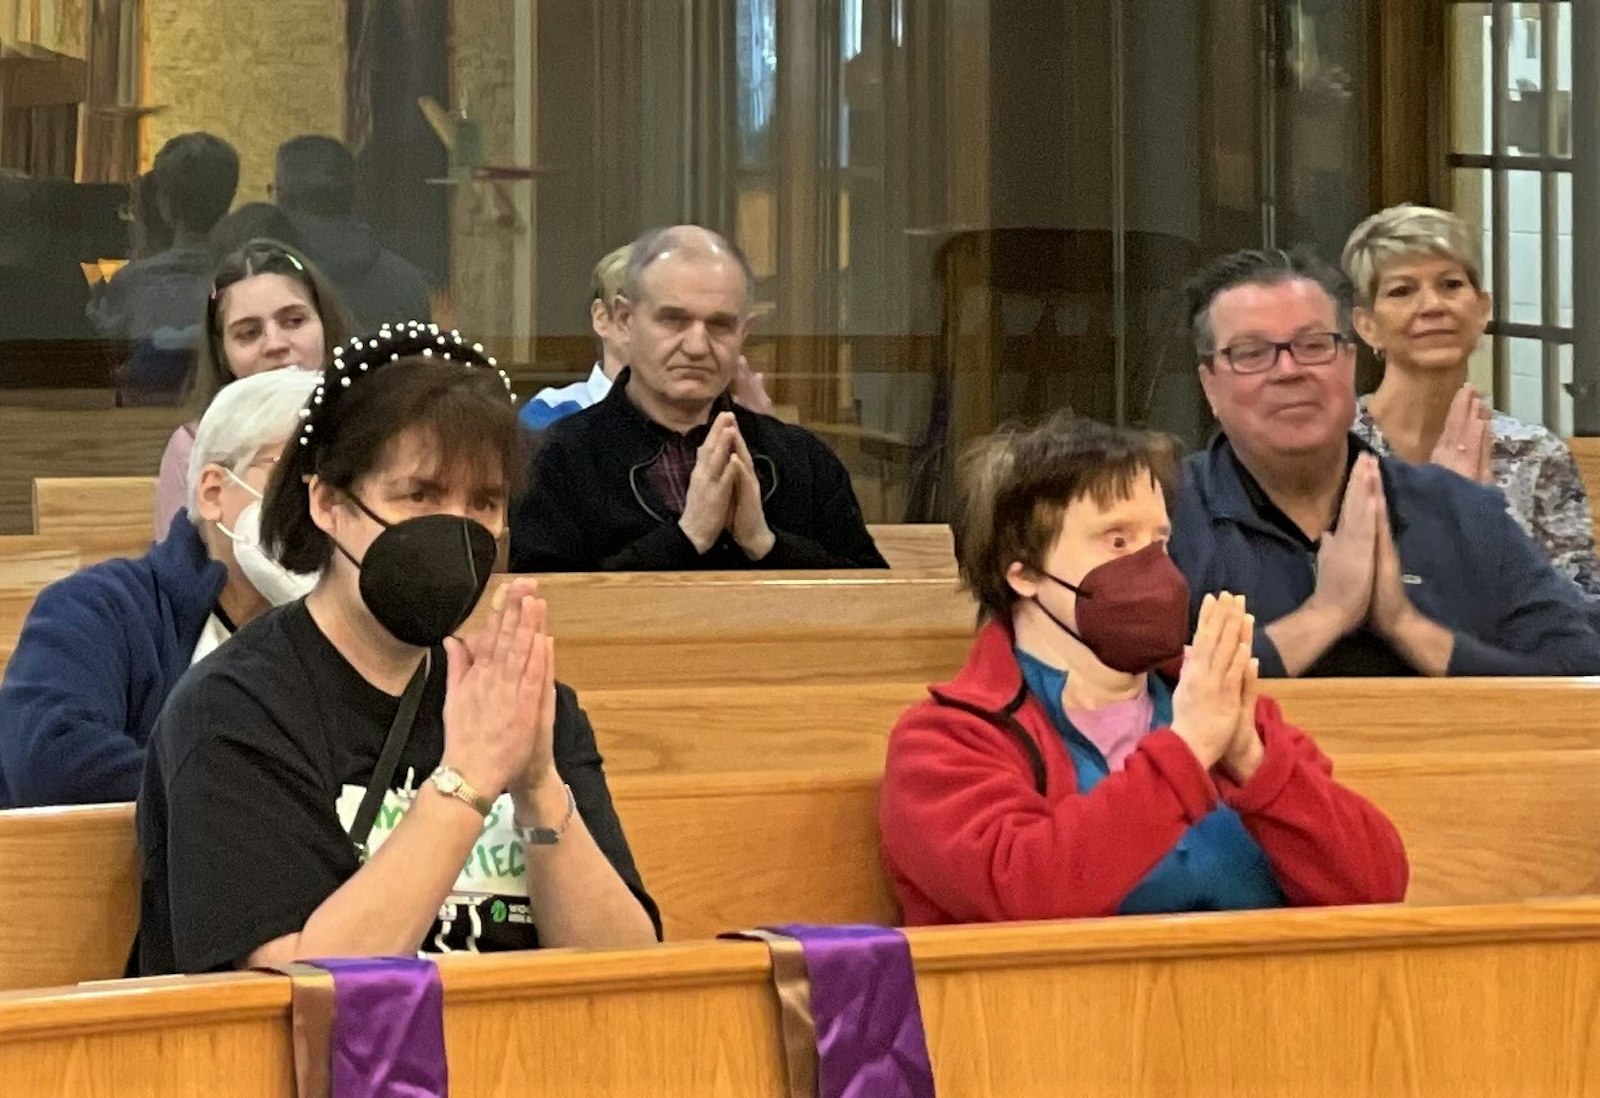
x,y
1015,484
466,411
259,256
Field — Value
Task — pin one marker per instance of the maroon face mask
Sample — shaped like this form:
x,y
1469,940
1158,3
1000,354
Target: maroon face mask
x,y
1133,611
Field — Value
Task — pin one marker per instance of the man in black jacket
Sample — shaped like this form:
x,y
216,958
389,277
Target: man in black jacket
x,y
666,473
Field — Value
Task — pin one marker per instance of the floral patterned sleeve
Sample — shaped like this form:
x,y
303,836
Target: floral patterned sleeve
x,y
1561,520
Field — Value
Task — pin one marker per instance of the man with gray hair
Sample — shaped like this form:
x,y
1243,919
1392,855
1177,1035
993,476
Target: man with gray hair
x,y
667,473
103,648
1354,564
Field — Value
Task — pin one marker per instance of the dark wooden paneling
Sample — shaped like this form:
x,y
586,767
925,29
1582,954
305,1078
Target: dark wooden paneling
x,y
1409,85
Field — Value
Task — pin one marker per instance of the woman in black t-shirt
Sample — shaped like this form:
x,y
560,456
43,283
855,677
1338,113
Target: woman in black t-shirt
x,y
471,775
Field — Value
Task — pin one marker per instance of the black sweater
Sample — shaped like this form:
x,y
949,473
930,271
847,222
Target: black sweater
x,y
590,508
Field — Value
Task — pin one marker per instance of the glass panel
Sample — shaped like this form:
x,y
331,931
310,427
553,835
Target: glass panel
x,y
1525,63
757,27
1322,159
1526,399
1562,103
926,191
1469,71
1524,241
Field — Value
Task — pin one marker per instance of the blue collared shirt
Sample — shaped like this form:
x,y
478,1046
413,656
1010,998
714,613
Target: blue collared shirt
x,y
551,405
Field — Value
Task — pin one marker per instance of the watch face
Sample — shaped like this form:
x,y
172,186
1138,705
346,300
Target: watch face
x,y
448,781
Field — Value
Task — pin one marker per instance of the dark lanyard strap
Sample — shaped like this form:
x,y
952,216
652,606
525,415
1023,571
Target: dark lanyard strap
x,y
389,757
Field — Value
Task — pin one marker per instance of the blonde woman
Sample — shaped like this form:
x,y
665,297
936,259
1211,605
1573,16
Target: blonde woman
x,y
1421,307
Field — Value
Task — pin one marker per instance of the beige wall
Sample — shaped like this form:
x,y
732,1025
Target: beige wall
x,y
253,73
58,25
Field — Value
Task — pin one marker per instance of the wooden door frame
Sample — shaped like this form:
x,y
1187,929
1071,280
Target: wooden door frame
x,y
1408,57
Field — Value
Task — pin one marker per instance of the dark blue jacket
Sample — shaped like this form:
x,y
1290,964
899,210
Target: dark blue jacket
x,y
99,654
1467,565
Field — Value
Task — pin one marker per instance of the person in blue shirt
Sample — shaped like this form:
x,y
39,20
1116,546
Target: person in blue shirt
x,y
103,648
1356,564
553,404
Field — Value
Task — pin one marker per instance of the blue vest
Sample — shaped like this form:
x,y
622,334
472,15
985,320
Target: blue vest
x,y
1216,865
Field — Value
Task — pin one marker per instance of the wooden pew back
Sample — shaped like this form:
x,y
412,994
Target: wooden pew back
x,y
916,547
94,505
709,629
799,727
75,442
721,851
98,505
1423,1002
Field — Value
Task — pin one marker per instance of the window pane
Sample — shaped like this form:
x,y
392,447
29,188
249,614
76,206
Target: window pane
x,y
756,26
1526,399
1469,60
1524,201
1525,80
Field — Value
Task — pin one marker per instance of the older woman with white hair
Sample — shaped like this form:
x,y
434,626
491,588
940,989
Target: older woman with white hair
x,y
103,648
1421,307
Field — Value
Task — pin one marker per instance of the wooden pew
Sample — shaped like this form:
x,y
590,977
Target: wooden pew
x,y
720,851
712,629
42,559
1586,452
924,547
796,727
1319,1004
75,442
72,505
94,505
709,629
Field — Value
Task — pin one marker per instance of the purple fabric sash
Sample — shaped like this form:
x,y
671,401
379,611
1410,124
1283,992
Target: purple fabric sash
x,y
387,1036
866,1019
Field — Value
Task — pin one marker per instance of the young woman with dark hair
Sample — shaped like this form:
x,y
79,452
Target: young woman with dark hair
x,y
1058,775
268,308
348,776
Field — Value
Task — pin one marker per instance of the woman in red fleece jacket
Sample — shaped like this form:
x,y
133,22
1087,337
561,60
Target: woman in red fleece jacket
x,y
1057,776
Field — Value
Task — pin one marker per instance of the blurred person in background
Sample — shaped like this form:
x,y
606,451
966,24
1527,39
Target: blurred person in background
x,y
315,185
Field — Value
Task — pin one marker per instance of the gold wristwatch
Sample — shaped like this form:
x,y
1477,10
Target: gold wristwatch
x,y
449,781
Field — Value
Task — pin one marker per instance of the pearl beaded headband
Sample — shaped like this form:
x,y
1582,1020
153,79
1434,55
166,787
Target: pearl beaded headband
x,y
364,354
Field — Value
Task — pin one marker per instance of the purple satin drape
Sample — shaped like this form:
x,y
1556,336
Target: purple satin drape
x,y
867,1017
387,1039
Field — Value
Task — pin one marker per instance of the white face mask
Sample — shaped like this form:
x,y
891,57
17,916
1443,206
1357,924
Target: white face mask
x,y
273,581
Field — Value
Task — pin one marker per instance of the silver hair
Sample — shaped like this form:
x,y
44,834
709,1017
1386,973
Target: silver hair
x,y
686,240
252,412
